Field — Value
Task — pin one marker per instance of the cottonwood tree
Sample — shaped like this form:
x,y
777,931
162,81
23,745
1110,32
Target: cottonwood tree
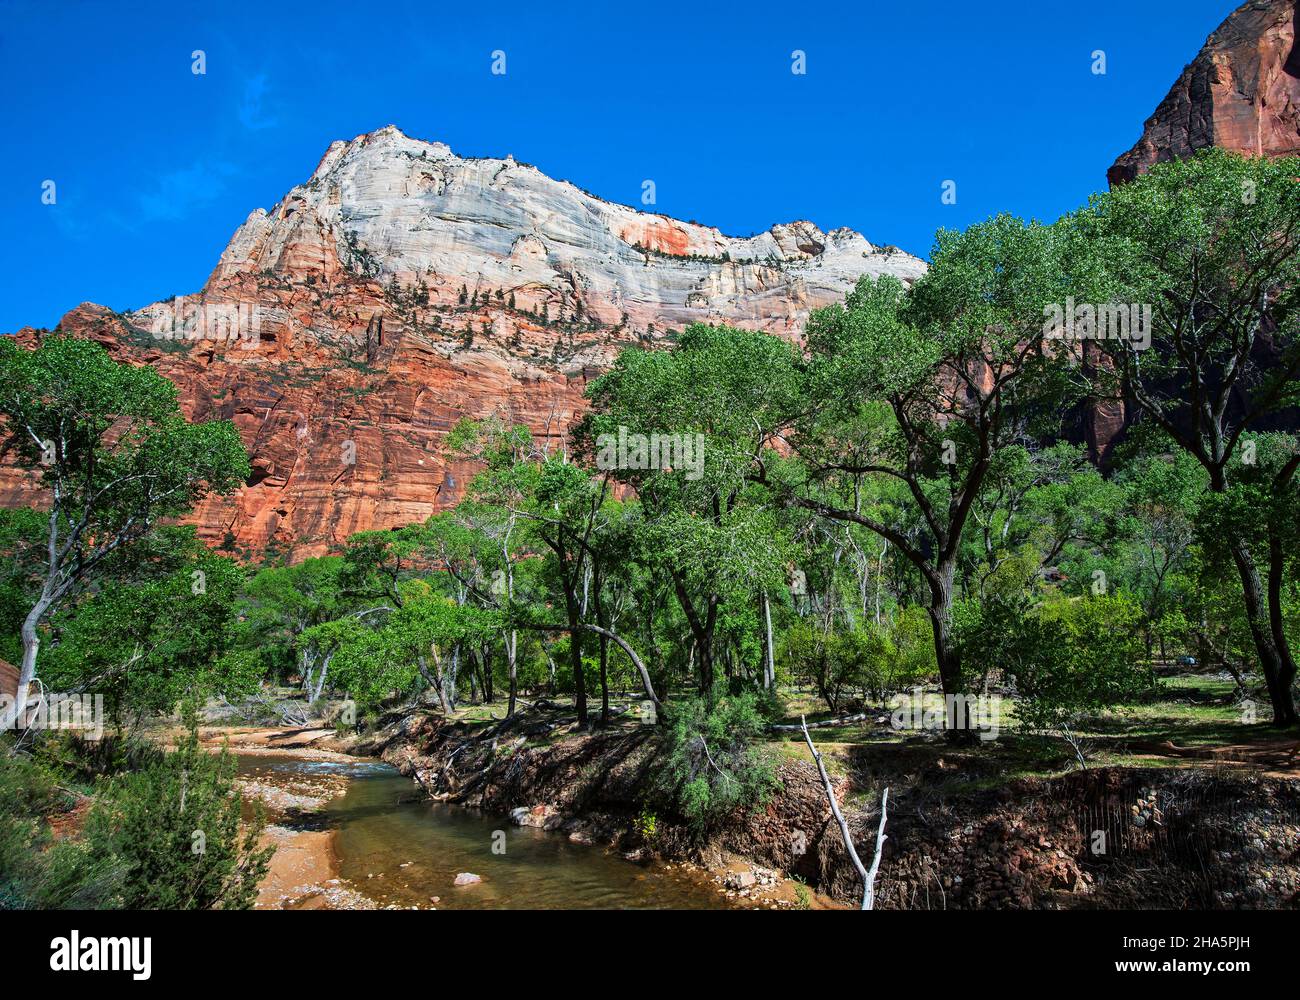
x,y
411,648
282,603
923,388
712,403
1260,503
495,514
525,499
317,647
108,444
428,627
457,547
565,505
562,506
1212,244
1163,496
149,634
1036,507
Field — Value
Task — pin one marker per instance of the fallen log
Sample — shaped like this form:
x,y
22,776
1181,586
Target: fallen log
x,y
824,724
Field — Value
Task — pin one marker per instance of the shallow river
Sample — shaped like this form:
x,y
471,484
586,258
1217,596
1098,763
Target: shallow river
x,y
396,846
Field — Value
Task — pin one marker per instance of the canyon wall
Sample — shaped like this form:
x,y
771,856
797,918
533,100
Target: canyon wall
x,y
402,288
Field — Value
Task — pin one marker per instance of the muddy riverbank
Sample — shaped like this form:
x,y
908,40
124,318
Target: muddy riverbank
x,y
294,782
1105,838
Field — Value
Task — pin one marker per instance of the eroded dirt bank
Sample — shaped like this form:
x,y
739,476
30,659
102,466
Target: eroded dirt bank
x,y
1104,838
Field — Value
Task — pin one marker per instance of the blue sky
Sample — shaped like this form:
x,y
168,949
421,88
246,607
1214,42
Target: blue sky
x,y
155,166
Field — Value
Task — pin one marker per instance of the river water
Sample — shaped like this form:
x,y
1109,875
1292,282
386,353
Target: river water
x,y
397,847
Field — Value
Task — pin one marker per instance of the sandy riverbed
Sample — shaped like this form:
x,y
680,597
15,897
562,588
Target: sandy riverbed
x,y
304,870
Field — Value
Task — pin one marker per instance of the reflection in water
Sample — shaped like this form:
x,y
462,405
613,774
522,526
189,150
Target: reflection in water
x,y
397,847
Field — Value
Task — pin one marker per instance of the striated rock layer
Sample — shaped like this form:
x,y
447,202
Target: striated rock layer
x,y
402,288
1241,92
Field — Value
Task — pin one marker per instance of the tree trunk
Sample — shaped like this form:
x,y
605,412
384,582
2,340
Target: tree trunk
x,y
1276,674
604,681
476,673
27,673
769,666
445,686
637,662
868,875
314,692
434,680
701,631
1284,698
957,712
512,641
575,656
512,645
488,694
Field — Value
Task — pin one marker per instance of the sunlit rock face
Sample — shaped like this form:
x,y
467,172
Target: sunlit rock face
x,y
402,288
411,211
1241,92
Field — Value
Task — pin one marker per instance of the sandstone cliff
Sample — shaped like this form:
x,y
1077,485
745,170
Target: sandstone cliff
x,y
402,288
1241,92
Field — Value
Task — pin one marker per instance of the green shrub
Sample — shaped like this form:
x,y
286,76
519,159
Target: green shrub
x,y
174,828
1088,656
867,662
1066,658
710,766
913,638
37,872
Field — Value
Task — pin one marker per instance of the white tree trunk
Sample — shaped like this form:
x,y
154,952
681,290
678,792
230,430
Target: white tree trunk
x,y
512,643
868,876
17,713
315,693
769,675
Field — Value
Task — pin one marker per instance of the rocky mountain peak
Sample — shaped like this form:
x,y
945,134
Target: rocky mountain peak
x,y
1241,92
401,288
387,207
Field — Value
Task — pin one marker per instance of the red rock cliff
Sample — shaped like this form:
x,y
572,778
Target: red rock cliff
x,y
402,288
1241,92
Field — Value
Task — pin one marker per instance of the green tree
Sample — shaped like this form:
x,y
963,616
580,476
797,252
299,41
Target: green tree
x,y
1260,505
925,388
283,602
414,643
1158,530
1212,245
714,404
109,444
164,630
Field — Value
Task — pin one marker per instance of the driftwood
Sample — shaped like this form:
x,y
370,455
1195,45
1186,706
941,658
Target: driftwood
x,y
868,875
824,724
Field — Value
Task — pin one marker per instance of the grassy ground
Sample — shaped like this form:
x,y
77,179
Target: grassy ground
x,y
1191,720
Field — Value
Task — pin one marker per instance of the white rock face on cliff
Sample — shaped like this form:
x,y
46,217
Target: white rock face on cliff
x,y
396,208
401,289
